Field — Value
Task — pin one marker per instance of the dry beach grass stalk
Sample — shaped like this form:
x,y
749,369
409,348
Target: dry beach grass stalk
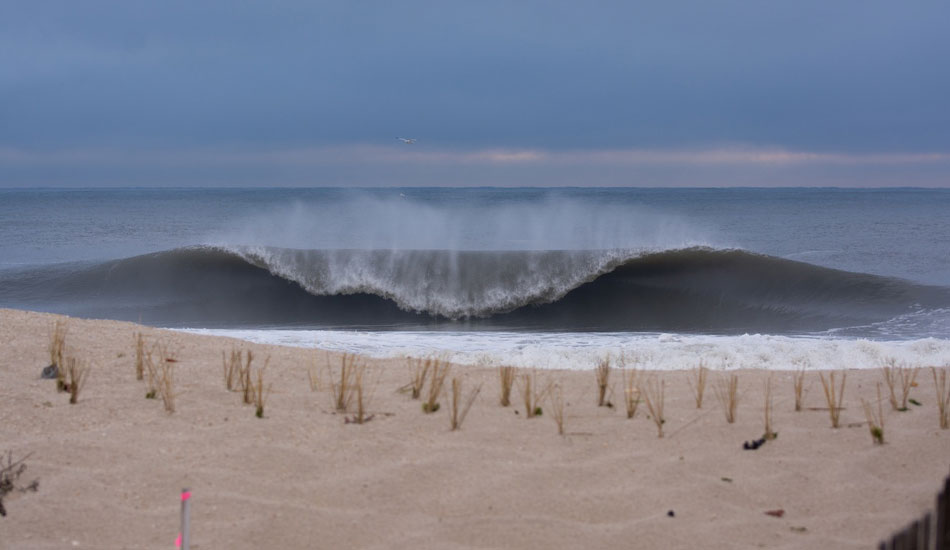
x,y
902,376
727,392
533,393
943,395
506,376
557,406
833,396
440,371
697,382
139,356
460,405
418,369
631,393
602,374
798,382
769,432
654,393
77,372
875,418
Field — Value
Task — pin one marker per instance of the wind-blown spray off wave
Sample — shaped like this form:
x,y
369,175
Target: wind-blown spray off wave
x,y
692,289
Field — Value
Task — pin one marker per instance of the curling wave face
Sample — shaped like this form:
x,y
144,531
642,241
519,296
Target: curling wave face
x,y
690,289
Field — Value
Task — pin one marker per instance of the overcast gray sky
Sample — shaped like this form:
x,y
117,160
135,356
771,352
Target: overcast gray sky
x,y
665,93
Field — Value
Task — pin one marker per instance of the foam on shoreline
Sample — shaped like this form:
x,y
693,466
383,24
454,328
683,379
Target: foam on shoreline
x,y
579,350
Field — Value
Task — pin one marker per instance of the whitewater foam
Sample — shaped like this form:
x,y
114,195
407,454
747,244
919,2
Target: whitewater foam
x,y
574,351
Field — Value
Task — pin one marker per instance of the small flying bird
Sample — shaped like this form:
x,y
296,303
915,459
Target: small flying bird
x,y
407,141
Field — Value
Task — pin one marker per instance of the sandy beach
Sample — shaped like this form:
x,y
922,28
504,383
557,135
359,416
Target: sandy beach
x,y
110,467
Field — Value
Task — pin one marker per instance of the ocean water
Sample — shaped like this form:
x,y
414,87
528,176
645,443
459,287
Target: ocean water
x,y
772,278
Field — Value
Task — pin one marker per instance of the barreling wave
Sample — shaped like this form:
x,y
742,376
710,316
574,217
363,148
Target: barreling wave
x,y
692,289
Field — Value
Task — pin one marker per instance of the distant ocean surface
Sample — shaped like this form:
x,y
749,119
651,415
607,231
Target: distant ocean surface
x,y
773,278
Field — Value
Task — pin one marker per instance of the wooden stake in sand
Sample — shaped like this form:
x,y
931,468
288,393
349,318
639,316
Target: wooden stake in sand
x,y
184,537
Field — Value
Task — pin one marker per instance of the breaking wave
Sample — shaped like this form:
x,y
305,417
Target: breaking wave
x,y
689,289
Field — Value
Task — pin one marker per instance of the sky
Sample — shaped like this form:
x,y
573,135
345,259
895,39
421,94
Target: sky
x,y
495,93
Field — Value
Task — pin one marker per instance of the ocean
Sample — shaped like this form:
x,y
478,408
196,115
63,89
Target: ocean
x,y
548,278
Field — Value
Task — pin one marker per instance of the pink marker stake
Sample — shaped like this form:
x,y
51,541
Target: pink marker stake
x,y
184,538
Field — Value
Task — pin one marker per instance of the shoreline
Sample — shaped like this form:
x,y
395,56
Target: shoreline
x,y
110,467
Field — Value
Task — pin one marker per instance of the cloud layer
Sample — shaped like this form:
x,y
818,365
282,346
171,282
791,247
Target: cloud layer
x,y
532,93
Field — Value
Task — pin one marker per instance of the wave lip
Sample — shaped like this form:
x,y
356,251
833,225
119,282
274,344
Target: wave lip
x,y
691,289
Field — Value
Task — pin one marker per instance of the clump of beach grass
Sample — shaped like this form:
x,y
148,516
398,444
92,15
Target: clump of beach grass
x,y
875,419
506,376
167,379
943,395
77,372
342,382
460,405
769,432
631,393
697,382
139,356
727,392
362,396
654,392
233,368
246,376
160,371
899,375
798,382
57,351
313,374
259,392
533,394
418,369
834,396
602,374
440,371
557,406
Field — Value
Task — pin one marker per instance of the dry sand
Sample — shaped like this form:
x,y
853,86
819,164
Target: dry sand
x,y
111,467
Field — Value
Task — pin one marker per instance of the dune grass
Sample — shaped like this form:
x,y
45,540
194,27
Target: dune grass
x,y
440,371
654,393
557,408
57,351
834,396
246,379
233,368
631,393
342,382
943,395
769,432
727,392
139,356
460,405
798,382
899,377
697,382
361,415
418,369
533,393
506,376
259,392
160,375
313,377
875,419
77,372
57,342
602,374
